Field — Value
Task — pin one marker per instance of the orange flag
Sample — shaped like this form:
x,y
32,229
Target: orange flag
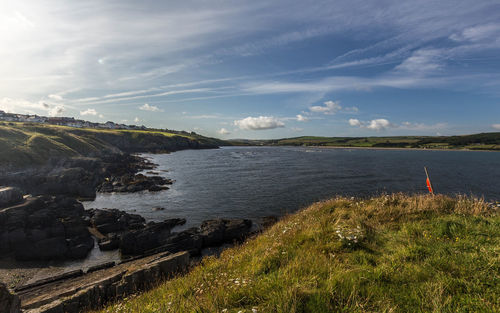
x,y
429,186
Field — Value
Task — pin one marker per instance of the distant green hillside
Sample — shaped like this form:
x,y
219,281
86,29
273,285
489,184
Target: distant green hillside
x,y
31,144
483,141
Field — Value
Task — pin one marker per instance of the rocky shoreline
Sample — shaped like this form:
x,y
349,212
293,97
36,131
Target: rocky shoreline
x,y
50,223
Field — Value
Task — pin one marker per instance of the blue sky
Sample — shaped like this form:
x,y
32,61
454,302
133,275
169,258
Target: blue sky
x,y
257,69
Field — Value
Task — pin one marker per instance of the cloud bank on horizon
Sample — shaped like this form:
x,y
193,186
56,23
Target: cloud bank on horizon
x,y
263,69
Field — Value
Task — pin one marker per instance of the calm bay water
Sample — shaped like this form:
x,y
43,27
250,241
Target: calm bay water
x,y
252,182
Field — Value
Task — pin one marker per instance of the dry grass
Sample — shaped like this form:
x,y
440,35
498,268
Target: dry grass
x,y
393,253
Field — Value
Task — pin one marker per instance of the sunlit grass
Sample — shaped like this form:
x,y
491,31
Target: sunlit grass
x,y
396,253
26,144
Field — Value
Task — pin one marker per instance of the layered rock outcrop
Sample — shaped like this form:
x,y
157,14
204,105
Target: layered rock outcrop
x,y
10,196
45,228
9,303
93,289
157,237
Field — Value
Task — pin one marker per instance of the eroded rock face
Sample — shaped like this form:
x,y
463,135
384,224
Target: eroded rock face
x,y
157,237
112,220
10,196
45,228
9,303
152,236
134,183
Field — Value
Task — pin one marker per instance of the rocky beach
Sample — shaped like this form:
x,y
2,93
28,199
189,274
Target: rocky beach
x,y
43,226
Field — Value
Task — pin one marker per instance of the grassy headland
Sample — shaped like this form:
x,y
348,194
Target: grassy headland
x,y
25,144
393,253
483,141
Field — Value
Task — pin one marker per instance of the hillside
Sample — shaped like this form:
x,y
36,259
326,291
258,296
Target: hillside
x,y
483,141
393,253
23,144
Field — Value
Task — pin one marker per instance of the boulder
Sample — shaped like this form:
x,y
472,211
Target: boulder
x,y
212,232
112,220
152,236
45,228
10,196
237,229
9,303
218,231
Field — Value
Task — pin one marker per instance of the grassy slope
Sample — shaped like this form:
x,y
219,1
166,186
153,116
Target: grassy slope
x,y
23,144
411,254
483,141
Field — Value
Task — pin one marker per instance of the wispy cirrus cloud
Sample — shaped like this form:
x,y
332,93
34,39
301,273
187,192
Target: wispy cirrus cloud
x,y
382,124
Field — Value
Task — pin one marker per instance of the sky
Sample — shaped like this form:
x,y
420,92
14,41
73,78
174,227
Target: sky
x,y
257,69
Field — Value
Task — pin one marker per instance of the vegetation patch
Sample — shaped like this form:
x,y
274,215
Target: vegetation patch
x,y
483,141
28,144
393,253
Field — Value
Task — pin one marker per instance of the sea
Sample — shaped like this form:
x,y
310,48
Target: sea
x,y
253,182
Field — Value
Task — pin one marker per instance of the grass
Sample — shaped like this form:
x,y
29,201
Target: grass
x,y
483,141
393,253
25,144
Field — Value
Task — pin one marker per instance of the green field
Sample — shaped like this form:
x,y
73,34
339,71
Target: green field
x,y
483,141
24,144
393,253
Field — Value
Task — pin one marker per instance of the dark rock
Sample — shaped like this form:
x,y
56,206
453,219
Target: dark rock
x,y
110,227
47,249
218,231
151,237
109,244
112,220
212,232
10,196
45,228
268,221
100,267
9,303
133,183
157,188
237,229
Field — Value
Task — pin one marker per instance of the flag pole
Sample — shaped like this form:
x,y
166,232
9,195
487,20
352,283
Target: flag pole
x,y
429,185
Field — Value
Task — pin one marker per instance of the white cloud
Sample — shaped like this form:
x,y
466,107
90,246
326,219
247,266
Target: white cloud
x,y
422,126
55,97
259,123
422,61
376,124
88,112
477,33
56,110
354,122
223,131
302,118
147,107
330,107
24,106
379,124
496,126
383,124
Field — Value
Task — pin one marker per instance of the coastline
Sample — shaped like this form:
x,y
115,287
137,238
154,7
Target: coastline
x,y
371,148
